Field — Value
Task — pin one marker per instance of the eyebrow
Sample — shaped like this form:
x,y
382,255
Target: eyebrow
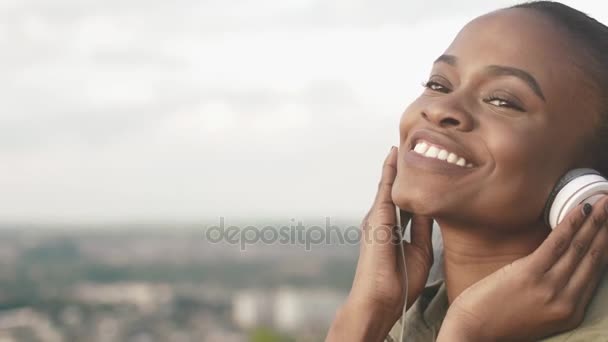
x,y
501,70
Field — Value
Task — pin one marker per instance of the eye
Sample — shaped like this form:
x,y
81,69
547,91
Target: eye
x,y
435,86
504,103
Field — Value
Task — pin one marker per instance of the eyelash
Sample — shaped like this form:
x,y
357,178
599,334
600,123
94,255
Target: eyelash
x,y
507,104
431,84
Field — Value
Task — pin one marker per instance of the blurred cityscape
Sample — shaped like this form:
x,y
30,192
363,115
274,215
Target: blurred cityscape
x,y
164,283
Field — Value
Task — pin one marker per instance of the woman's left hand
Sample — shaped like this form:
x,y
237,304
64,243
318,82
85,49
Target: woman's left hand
x,y
542,294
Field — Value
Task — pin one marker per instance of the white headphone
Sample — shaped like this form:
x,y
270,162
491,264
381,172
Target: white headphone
x,y
575,187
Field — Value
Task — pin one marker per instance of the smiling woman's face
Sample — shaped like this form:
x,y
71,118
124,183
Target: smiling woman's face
x,y
507,98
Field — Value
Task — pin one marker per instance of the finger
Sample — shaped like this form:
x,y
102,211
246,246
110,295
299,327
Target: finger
x,y
389,171
585,297
422,232
547,254
379,224
404,219
565,266
591,266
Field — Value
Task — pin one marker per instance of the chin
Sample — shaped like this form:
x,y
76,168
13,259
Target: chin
x,y
417,199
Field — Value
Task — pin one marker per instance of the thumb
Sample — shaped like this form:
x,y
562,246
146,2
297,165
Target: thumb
x,y
422,232
383,209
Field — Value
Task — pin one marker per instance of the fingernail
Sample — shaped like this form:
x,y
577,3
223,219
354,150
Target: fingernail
x,y
587,209
391,150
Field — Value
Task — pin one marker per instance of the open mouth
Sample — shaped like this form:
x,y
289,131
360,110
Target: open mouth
x,y
434,151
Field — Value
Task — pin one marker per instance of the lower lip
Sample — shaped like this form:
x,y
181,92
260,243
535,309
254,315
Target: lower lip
x,y
418,161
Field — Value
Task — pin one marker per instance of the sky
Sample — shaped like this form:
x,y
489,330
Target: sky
x,y
133,110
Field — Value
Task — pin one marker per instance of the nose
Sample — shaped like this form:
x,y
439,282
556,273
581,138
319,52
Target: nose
x,y
446,113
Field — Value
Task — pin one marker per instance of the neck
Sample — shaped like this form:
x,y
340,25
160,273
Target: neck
x,y
472,254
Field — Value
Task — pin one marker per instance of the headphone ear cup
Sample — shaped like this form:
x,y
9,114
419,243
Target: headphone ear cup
x,y
563,181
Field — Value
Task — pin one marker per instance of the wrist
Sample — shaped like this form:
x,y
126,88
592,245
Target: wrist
x,y
381,310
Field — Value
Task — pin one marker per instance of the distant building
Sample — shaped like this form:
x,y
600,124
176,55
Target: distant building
x,y
252,308
296,309
15,324
144,296
287,309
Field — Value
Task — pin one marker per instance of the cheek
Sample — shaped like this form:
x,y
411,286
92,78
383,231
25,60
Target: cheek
x,y
522,174
525,151
408,120
512,151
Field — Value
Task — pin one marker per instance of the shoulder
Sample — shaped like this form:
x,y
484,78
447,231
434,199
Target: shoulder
x,y
423,319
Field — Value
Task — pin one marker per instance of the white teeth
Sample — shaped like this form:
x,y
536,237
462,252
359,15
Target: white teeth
x,y
432,152
452,158
443,155
421,148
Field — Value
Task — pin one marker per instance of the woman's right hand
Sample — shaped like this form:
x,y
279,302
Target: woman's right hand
x,y
379,281
377,295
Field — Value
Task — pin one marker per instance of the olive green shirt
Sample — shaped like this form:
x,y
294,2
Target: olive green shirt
x,y
424,318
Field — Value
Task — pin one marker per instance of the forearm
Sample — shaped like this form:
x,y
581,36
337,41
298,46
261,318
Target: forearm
x,y
357,323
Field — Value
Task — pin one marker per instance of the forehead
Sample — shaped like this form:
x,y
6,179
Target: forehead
x,y
528,40
516,37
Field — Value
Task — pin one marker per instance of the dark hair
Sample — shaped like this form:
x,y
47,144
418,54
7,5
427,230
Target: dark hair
x,y
592,37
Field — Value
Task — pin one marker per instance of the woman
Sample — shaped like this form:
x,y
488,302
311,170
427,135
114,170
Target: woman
x,y
521,96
